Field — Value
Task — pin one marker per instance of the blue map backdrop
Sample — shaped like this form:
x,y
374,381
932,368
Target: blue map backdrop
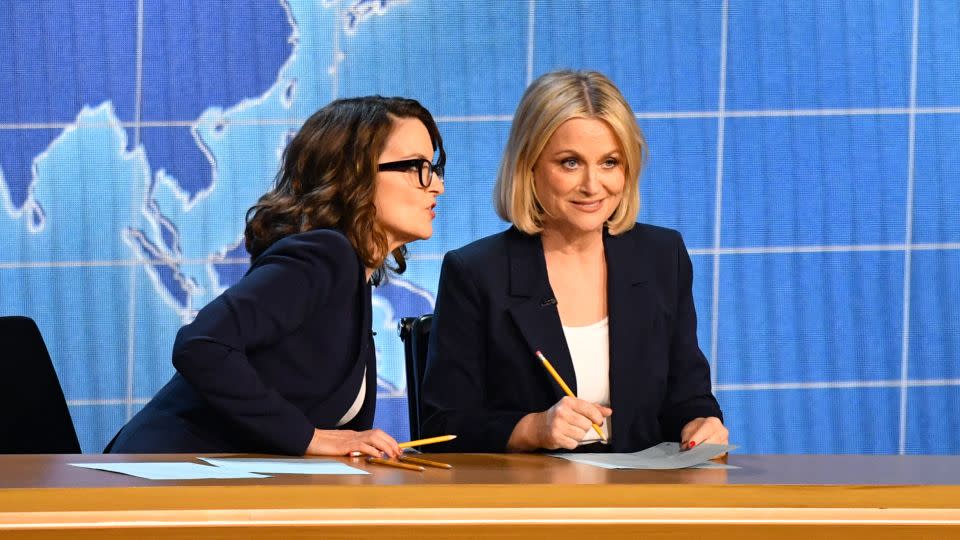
x,y
806,149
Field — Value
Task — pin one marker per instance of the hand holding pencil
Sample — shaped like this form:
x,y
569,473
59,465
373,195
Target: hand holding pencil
x,y
570,408
339,442
413,463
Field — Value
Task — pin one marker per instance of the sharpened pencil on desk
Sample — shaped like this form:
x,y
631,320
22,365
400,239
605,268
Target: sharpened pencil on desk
x,y
397,464
566,389
426,462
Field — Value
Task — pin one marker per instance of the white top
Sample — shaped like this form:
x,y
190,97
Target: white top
x,y
357,403
590,351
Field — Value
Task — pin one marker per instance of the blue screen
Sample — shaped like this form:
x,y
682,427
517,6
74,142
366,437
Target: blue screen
x,y
807,150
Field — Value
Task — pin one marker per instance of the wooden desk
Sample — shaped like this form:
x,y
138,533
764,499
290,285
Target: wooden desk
x,y
485,495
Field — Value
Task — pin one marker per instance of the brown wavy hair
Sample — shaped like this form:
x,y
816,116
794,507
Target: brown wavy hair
x,y
328,178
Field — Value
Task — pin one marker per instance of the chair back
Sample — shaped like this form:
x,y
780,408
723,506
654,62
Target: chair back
x,y
415,333
36,419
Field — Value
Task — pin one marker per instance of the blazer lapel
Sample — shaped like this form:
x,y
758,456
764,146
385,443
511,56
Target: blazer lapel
x,y
630,303
328,412
536,314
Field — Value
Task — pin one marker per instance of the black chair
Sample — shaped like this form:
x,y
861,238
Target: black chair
x,y
415,333
35,418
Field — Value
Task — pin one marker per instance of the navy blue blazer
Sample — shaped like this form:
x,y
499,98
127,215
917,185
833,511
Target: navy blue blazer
x,y
281,352
495,309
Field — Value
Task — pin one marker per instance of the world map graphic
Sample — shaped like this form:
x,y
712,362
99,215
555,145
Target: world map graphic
x,y
156,174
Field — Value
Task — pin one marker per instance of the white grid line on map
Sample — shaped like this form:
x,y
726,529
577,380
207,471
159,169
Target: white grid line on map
x,y
138,84
778,250
335,66
464,119
835,385
908,233
531,27
723,387
132,299
123,262
475,119
851,248
718,195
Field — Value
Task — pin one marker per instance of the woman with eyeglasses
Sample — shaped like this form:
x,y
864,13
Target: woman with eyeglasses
x,y
607,301
283,361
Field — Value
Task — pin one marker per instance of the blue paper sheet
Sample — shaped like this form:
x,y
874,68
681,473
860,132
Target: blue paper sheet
x,y
285,465
665,455
170,470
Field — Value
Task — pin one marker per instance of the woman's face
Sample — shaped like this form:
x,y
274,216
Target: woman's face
x,y
579,176
404,208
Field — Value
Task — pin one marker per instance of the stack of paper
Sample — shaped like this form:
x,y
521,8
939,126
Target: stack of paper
x,y
223,468
665,455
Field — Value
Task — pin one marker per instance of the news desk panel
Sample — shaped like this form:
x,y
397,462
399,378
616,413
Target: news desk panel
x,y
492,495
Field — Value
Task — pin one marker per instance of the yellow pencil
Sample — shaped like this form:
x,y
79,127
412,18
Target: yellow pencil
x,y
427,462
431,440
566,389
397,464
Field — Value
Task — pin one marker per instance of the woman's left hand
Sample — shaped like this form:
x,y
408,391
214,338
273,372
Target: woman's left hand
x,y
703,430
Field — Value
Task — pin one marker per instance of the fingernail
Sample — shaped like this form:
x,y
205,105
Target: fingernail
x,y
691,445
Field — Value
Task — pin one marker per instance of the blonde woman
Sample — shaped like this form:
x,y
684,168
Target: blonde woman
x,y
608,301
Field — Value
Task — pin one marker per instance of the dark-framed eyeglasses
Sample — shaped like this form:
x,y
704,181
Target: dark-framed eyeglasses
x,y
424,169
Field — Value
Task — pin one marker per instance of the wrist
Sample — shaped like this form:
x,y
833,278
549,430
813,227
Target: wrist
x,y
316,440
524,435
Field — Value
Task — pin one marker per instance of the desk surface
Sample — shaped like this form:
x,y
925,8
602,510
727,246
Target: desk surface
x,y
44,493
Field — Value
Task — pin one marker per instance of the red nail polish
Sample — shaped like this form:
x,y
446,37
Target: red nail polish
x,y
691,445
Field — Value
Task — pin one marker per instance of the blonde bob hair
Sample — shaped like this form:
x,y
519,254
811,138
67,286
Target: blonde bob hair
x,y
550,101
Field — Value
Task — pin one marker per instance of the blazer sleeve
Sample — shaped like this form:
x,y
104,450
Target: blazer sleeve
x,y
453,386
688,393
273,299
